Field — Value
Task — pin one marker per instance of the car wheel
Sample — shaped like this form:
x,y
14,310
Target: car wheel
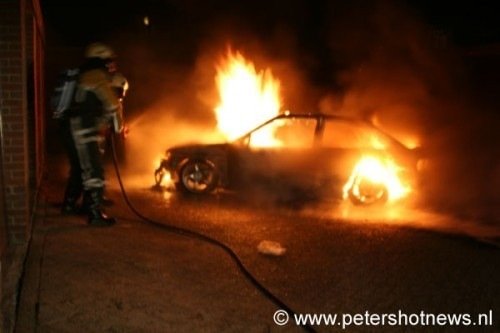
x,y
364,192
198,176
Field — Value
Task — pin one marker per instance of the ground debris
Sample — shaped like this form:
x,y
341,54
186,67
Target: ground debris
x,y
271,248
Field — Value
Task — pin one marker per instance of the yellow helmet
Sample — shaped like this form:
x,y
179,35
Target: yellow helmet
x,y
99,50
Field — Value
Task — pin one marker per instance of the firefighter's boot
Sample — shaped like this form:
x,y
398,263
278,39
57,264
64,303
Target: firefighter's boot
x,y
86,203
107,201
96,215
69,205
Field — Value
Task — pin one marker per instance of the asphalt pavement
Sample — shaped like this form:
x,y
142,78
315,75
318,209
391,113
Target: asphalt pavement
x,y
138,277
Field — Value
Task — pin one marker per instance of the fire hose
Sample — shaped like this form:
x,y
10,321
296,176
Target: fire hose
x,y
202,237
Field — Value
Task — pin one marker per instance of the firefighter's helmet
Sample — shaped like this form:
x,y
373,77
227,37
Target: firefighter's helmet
x,y
99,50
120,83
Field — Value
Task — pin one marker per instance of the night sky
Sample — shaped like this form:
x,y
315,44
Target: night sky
x,y
467,22
307,32
318,47
325,41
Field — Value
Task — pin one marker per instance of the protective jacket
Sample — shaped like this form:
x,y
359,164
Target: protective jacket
x,y
95,99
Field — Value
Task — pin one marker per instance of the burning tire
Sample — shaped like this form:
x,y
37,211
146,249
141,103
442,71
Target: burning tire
x,y
198,177
365,192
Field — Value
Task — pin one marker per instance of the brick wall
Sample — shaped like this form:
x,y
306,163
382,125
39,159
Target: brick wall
x,y
13,110
22,142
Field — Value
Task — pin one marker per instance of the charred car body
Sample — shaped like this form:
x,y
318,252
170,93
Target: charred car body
x,y
314,152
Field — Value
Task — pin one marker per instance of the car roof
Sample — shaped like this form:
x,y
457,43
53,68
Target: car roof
x,y
320,115
312,115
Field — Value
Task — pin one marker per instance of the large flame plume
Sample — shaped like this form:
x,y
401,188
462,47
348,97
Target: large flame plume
x,y
247,98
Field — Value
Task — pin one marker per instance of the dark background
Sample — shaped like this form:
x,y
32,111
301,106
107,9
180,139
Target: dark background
x,y
321,39
425,68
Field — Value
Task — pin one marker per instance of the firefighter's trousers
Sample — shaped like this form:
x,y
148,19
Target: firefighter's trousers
x,y
86,137
74,184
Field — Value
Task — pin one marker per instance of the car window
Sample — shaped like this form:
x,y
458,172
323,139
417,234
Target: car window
x,y
350,135
285,132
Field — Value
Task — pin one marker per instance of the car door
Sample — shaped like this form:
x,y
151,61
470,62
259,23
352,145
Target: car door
x,y
343,143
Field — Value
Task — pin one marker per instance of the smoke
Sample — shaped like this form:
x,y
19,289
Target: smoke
x,y
389,68
162,108
400,73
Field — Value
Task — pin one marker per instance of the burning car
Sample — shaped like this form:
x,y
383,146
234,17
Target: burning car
x,y
328,154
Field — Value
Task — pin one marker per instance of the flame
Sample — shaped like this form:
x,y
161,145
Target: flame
x,y
247,99
377,171
411,142
377,143
166,179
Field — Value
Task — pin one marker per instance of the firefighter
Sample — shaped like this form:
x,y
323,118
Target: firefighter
x,y
95,103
